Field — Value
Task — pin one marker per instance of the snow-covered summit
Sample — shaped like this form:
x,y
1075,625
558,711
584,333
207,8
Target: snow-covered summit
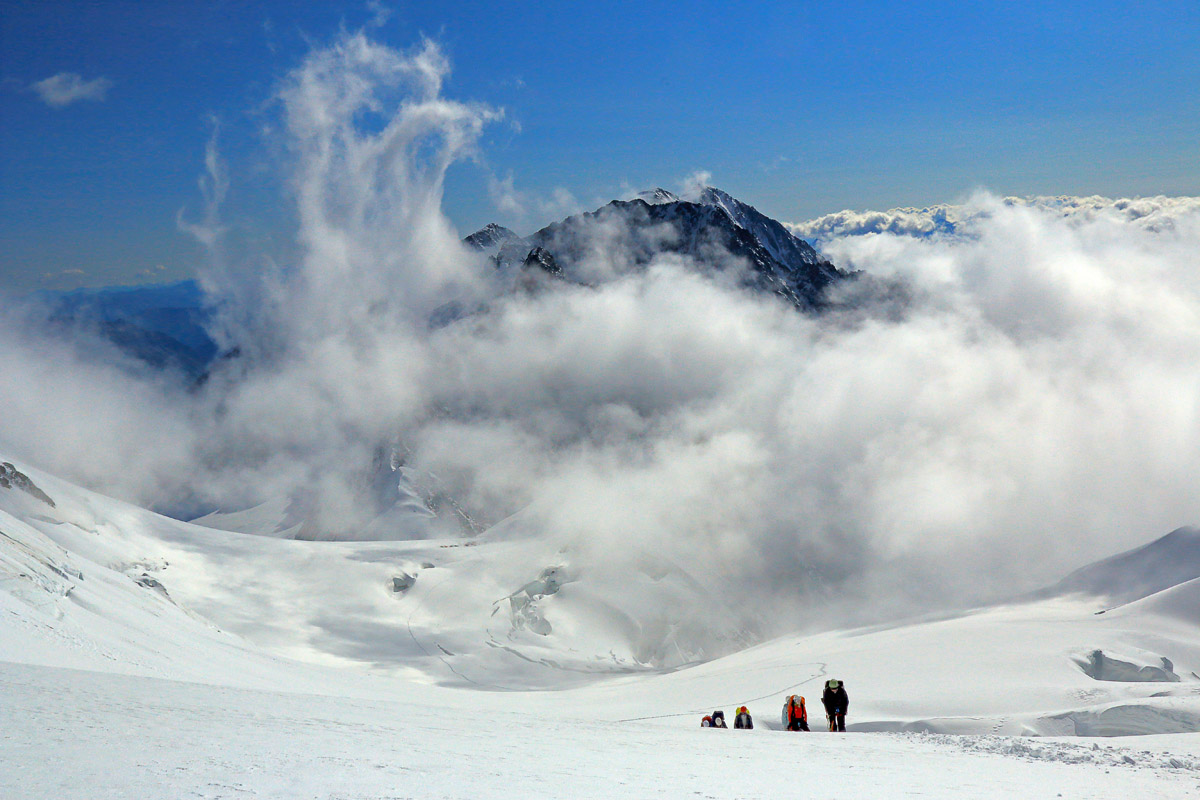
x,y
657,196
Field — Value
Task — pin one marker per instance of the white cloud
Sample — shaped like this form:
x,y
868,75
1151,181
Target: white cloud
x,y
380,13
695,183
66,88
525,209
505,196
214,186
1032,407
1150,212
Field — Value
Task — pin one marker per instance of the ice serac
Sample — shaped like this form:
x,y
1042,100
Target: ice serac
x,y
1102,666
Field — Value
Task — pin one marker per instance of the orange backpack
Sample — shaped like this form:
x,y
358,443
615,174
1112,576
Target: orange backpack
x,y
796,709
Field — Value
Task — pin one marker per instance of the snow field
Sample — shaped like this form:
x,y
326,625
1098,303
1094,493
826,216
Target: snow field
x,y
142,656
111,736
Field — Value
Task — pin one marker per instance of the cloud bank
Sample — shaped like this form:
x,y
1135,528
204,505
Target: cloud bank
x,y
1032,407
66,88
1153,213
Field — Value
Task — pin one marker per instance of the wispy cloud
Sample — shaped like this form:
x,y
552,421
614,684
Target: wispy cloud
x,y
63,277
527,208
380,13
66,88
694,183
152,272
214,184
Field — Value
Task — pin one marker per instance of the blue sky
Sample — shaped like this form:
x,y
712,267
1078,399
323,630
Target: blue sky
x,y
797,108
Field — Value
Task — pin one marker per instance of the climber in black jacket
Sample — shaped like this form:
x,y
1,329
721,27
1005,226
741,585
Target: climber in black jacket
x,y
836,702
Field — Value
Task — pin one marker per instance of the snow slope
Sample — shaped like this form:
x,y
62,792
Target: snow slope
x,y
1141,572
101,735
142,654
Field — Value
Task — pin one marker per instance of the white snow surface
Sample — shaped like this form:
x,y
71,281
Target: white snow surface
x,y
143,656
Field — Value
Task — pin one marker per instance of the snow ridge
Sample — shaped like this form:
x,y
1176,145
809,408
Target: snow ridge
x,y
1166,562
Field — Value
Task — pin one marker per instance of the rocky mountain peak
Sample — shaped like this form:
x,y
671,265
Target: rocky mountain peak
x,y
779,263
490,238
13,478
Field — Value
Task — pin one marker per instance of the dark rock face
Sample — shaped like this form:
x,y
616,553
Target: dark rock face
x,y
783,246
539,271
543,259
718,232
12,478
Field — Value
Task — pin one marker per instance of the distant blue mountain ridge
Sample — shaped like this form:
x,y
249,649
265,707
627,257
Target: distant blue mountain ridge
x,y
164,325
